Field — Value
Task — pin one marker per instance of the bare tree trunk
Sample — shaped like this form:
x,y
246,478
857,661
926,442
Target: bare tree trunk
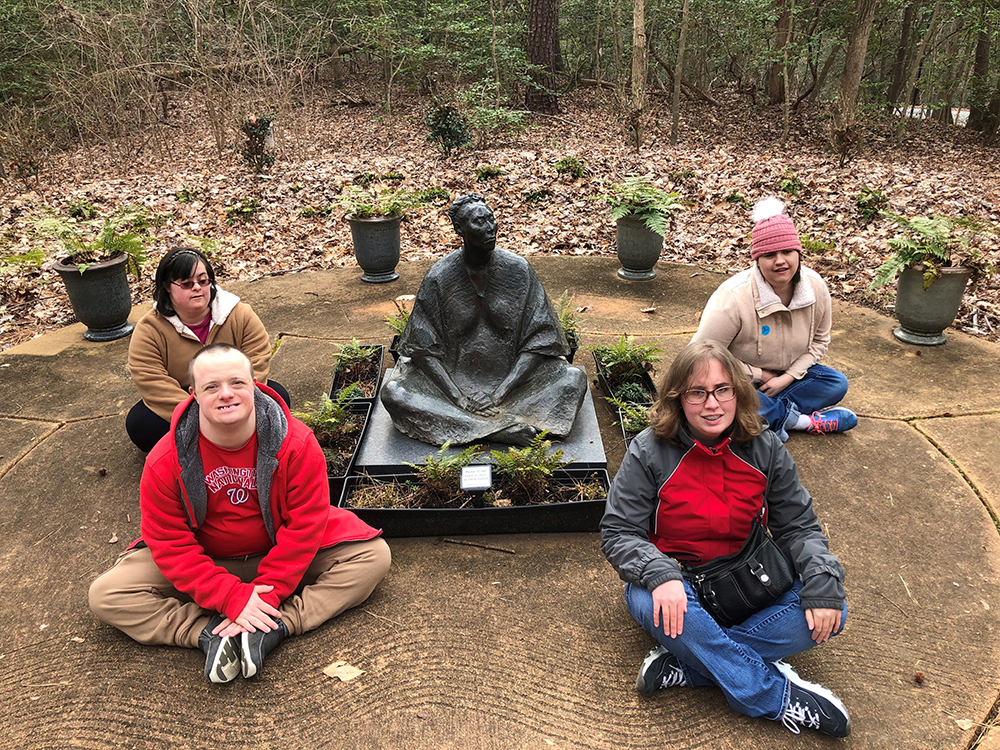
x,y
854,65
825,71
543,23
787,76
979,94
911,83
637,100
776,78
902,52
679,75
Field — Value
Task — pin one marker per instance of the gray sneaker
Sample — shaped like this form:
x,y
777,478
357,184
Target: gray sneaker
x,y
812,706
660,669
222,655
255,646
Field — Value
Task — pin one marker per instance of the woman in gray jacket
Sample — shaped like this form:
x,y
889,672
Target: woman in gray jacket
x,y
689,488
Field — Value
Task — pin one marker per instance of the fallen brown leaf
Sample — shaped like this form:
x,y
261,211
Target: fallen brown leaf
x,y
342,671
113,539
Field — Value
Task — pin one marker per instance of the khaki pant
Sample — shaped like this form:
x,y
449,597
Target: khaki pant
x,y
134,597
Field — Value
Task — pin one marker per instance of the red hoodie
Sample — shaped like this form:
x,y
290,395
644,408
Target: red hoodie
x,y
299,516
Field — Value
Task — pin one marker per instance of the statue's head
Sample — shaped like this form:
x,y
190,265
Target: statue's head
x,y
474,222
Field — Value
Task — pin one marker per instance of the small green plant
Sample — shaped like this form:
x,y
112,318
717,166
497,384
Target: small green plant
x,y
571,167
187,194
638,196
626,356
790,183
313,212
633,393
31,259
569,318
432,195
487,172
441,473
871,203
735,197
633,417
364,179
448,128
397,321
352,354
529,468
681,176
258,143
335,426
932,242
139,218
393,177
817,247
243,210
370,203
537,196
81,209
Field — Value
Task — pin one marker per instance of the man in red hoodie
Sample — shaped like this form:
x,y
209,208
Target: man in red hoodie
x,y
240,546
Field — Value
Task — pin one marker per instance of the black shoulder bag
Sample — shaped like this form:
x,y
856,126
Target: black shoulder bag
x,y
733,587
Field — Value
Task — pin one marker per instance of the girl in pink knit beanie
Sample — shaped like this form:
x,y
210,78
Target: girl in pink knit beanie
x,y
775,317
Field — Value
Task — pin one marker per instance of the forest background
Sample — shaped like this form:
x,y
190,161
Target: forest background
x,y
145,112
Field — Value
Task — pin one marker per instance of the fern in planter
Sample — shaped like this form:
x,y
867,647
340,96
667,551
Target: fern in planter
x,y
529,468
84,251
638,196
372,203
933,242
626,356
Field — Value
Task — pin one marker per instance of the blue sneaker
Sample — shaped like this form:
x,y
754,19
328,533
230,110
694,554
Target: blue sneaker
x,y
660,669
834,419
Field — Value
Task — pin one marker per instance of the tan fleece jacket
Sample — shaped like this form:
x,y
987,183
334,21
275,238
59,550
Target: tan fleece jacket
x,y
746,316
162,347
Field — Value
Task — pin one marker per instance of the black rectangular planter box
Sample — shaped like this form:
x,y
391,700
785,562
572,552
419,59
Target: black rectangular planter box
x,y
378,353
522,519
644,380
337,482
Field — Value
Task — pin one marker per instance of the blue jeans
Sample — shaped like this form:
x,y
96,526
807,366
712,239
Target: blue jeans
x,y
738,659
819,388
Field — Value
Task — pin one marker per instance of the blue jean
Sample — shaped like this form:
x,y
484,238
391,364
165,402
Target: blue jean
x,y
739,660
819,388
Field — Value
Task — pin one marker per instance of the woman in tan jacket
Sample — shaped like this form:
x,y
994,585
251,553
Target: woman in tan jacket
x,y
775,317
189,312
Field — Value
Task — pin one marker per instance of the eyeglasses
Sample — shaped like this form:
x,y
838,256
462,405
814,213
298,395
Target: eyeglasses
x,y
188,284
699,395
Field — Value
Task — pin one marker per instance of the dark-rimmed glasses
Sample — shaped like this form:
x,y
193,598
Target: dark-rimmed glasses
x,y
699,395
188,284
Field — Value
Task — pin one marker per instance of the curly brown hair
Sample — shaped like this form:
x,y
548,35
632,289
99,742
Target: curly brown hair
x,y
667,415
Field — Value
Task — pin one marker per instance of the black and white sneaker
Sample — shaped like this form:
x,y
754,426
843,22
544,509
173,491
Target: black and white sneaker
x,y
660,669
812,706
255,646
222,655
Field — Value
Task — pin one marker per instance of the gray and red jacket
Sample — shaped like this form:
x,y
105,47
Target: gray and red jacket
x,y
640,523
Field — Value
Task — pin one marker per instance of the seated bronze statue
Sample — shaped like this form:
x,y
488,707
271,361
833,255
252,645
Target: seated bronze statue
x,y
483,354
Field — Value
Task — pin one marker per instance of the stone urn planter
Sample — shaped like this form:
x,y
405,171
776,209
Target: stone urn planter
x,y
376,246
638,249
923,314
100,296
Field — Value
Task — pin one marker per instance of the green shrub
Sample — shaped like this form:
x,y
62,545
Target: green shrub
x,y
187,194
571,167
817,247
448,128
871,203
537,196
435,194
530,467
311,212
258,143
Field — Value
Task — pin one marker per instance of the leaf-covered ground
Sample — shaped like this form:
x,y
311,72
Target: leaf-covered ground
x,y
727,158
